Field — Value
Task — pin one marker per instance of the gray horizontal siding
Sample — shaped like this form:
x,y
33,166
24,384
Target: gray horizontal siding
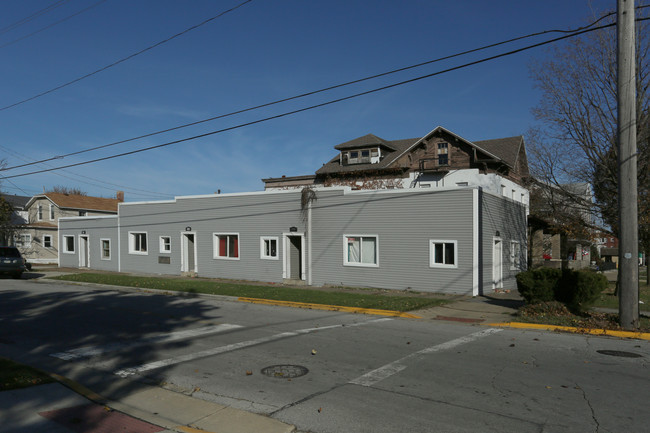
x,y
404,223
500,214
95,229
251,216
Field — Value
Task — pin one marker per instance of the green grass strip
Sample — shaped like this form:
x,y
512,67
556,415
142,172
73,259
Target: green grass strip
x,y
15,376
278,293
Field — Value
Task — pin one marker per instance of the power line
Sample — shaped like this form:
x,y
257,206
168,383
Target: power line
x,y
53,24
303,95
32,16
94,180
76,80
334,101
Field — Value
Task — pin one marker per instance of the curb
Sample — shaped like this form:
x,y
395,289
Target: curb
x,y
591,331
129,289
326,307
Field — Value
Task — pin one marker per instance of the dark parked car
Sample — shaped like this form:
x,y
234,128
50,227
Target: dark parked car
x,y
11,262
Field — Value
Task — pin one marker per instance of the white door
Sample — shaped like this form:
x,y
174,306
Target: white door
x,y
497,264
83,252
188,259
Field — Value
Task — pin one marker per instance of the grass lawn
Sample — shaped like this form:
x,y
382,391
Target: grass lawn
x,y
340,297
608,300
16,376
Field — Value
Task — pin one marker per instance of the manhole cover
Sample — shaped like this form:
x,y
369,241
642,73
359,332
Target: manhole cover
x,y
619,353
285,371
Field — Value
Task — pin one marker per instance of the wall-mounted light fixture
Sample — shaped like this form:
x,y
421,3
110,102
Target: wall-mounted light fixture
x,y
293,229
188,229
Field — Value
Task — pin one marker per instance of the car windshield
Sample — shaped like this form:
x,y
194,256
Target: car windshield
x,y
9,252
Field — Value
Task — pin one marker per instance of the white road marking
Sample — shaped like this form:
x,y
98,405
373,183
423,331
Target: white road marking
x,y
88,351
230,347
395,367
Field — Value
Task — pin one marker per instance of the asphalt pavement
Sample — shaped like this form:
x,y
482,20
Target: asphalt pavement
x,y
66,406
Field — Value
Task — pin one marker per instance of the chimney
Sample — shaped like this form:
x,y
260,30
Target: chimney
x,y
120,196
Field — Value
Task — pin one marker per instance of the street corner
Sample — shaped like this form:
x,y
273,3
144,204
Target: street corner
x,y
574,330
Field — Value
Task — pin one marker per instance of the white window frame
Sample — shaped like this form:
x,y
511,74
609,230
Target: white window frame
x,y
101,248
163,244
263,240
49,237
24,240
64,246
215,246
132,250
432,254
515,255
39,212
347,262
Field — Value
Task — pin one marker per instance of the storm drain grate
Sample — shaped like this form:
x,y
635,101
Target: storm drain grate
x,y
619,353
285,371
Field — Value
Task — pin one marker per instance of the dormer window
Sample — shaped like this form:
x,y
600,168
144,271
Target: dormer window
x,y
361,156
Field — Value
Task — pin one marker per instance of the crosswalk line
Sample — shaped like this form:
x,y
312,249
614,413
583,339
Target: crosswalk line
x,y
395,367
126,372
89,351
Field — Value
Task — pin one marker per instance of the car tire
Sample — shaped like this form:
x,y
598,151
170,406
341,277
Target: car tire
x,y
17,275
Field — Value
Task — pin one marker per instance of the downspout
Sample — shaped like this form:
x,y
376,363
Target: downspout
x,y
309,260
119,239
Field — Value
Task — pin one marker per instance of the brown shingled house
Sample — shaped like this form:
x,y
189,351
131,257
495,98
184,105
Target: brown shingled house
x,y
440,159
38,239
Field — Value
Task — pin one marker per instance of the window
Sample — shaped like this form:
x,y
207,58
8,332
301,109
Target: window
x,y
24,240
68,244
515,255
47,241
40,212
443,154
443,254
269,248
165,244
82,213
106,249
226,246
360,250
51,212
137,243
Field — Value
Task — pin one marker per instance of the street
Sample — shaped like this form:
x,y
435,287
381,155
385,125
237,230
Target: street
x,y
329,371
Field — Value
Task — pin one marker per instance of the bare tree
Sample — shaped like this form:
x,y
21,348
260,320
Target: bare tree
x,y
59,189
575,142
8,222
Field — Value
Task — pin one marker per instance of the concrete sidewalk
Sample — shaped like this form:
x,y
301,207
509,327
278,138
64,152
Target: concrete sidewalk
x,y
65,407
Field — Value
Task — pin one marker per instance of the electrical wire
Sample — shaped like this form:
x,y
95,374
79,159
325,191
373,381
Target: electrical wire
x,y
124,59
32,16
53,24
334,101
303,95
131,190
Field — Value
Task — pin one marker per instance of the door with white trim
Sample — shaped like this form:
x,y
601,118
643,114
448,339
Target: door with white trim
x,y
497,263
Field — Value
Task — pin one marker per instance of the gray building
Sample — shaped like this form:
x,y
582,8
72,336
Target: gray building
x,y
461,240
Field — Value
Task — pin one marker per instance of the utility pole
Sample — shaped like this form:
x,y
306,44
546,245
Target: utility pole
x,y
628,249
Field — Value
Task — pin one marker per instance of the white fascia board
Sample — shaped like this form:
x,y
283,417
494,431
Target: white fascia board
x,y
86,218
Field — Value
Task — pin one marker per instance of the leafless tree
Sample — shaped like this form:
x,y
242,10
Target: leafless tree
x,y
575,139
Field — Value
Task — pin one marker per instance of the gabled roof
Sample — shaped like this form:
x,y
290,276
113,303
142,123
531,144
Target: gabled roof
x,y
83,202
506,149
369,140
395,147
16,201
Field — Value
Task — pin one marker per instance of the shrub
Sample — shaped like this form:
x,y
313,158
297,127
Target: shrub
x,y
578,290
538,285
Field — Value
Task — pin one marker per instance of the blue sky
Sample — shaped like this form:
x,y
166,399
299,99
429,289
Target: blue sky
x,y
264,51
